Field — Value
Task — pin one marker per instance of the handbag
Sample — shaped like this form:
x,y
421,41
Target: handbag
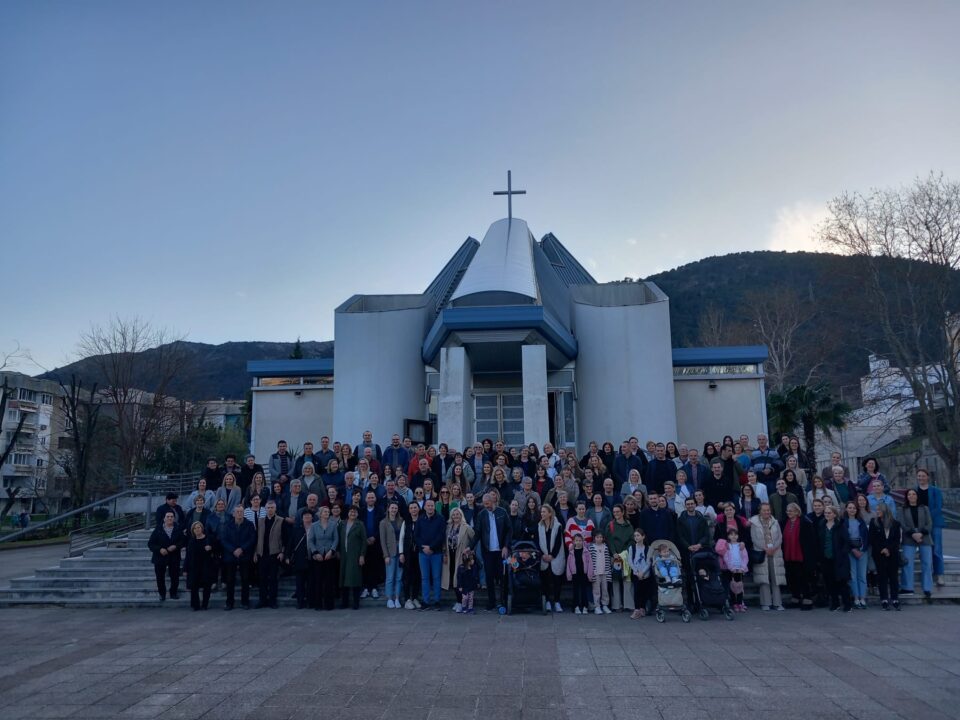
x,y
757,557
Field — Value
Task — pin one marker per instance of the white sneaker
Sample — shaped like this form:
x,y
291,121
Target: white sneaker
x,y
390,604
458,608
547,606
557,608
374,593
606,610
365,593
408,605
597,610
396,604
416,604
577,612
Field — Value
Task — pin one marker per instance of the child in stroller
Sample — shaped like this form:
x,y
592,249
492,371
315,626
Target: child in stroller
x,y
708,588
664,557
523,581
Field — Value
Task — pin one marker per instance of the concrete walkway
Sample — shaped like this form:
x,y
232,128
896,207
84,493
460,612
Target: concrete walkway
x,y
175,664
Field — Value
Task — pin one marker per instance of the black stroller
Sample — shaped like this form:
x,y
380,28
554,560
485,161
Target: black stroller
x,y
523,577
709,590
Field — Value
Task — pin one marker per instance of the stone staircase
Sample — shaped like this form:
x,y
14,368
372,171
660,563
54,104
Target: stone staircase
x,y
120,574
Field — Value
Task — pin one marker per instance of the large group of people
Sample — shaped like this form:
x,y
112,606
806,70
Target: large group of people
x,y
422,527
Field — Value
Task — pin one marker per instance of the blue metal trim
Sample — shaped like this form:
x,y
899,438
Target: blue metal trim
x,y
290,368
505,317
731,355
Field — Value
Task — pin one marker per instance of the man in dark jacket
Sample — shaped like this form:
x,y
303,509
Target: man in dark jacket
x,y
211,473
659,470
307,456
230,467
693,535
696,471
396,456
374,572
624,462
238,537
249,469
423,473
165,543
657,523
493,530
296,557
717,487
430,534
170,506
272,534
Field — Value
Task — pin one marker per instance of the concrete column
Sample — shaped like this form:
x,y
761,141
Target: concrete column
x,y
536,422
455,403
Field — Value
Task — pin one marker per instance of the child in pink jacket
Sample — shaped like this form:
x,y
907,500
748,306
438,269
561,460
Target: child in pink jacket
x,y
734,561
580,571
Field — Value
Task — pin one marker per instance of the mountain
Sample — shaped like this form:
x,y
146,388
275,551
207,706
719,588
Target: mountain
x,y
210,371
827,284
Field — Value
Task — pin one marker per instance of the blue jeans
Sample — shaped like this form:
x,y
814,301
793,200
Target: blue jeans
x,y
430,568
937,535
858,575
926,560
394,579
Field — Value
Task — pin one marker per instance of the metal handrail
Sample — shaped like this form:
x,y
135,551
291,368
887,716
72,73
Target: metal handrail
x,y
95,535
72,513
181,483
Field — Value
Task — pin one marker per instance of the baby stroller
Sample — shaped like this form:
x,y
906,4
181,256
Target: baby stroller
x,y
709,591
669,588
523,577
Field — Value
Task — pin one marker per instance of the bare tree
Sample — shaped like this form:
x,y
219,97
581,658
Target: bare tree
x,y
81,410
136,363
710,326
776,321
909,242
6,360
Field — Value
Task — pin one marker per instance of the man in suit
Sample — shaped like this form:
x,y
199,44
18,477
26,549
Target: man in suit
x,y
494,534
659,470
238,537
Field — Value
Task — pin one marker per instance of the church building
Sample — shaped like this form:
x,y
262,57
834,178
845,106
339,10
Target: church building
x,y
512,339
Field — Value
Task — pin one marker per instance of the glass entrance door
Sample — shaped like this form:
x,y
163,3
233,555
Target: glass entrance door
x,y
499,416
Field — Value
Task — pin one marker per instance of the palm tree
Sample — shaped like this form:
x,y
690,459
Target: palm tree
x,y
809,408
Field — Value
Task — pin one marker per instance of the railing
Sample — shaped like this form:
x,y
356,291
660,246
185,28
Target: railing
x,y
93,536
182,484
80,511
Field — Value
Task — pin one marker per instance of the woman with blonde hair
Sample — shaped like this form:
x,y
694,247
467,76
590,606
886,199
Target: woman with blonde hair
x,y
460,537
768,568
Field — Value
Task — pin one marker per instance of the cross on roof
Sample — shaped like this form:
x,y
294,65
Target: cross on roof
x,y
509,192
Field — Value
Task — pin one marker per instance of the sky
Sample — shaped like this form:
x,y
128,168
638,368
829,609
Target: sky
x,y
235,170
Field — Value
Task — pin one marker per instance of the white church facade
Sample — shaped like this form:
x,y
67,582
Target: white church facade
x,y
513,339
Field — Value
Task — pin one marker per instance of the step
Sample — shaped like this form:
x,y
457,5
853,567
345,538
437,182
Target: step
x,y
28,583
86,572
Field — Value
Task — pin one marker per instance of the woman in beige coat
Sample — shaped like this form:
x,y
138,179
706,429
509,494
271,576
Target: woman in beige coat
x,y
771,573
460,536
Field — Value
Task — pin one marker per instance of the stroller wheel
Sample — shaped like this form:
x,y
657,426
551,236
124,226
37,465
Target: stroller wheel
x,y
727,612
704,614
685,615
661,616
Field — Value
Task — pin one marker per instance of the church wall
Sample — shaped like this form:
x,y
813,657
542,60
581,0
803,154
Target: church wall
x,y
624,372
281,414
379,373
733,407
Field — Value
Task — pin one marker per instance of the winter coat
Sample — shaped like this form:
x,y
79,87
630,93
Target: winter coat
x,y
233,536
159,541
880,540
841,548
552,545
761,571
353,546
201,563
466,538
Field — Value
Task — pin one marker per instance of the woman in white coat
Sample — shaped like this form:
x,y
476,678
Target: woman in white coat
x,y
770,573
553,561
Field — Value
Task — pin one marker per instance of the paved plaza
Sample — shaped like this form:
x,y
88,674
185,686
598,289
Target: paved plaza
x,y
402,665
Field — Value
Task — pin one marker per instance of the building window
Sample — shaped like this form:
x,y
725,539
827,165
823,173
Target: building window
x,y
28,395
13,414
499,417
21,459
40,462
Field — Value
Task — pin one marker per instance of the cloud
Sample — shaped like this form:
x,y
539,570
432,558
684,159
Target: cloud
x,y
632,241
795,227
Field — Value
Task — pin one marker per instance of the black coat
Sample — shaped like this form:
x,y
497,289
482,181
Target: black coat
x,y
178,515
296,554
233,536
502,522
201,563
841,549
159,540
880,541
700,534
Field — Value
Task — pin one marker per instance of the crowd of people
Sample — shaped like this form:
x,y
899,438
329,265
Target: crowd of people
x,y
407,523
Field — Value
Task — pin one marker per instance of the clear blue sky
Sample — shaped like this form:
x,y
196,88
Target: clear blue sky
x,y
235,170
